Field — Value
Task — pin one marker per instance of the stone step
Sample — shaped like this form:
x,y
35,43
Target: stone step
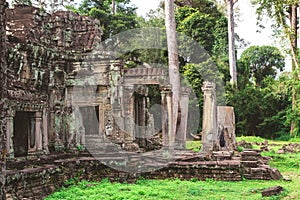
x,y
249,163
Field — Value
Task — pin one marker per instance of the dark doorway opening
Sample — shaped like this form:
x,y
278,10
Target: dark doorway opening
x,y
139,115
90,119
24,133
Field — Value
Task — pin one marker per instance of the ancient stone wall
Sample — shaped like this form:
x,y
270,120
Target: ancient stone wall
x,y
3,97
43,50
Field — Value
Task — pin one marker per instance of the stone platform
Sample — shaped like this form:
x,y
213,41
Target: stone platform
x,y
36,178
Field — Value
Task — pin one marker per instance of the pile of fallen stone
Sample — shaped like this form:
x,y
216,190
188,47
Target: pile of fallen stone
x,y
265,146
290,148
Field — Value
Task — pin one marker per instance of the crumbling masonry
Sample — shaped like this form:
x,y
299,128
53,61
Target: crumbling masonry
x,y
56,95
3,98
54,80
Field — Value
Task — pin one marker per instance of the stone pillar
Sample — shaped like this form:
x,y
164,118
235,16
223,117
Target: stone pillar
x,y
209,124
143,120
38,131
32,137
10,133
226,128
164,117
167,128
184,111
128,105
45,131
101,120
51,119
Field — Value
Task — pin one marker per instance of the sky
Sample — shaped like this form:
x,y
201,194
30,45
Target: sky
x,y
246,23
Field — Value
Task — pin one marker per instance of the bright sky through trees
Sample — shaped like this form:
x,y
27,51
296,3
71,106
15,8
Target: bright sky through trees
x,y
246,24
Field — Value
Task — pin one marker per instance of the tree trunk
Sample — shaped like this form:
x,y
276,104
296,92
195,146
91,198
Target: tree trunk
x,y
231,37
293,20
173,65
3,97
113,7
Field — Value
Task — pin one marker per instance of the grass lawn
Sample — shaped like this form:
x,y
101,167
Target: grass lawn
x,y
288,164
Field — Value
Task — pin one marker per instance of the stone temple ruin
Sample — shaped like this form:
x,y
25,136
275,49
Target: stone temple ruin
x,y
46,70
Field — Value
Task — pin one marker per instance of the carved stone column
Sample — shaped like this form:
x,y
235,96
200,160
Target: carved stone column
x,y
32,136
117,113
38,131
45,131
209,125
167,128
128,105
101,120
10,133
184,111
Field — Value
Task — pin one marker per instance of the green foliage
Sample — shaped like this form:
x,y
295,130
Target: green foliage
x,y
176,189
124,19
266,110
259,62
240,149
194,145
206,25
250,139
280,11
284,162
80,147
288,164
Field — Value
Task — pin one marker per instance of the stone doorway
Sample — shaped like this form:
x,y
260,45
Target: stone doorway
x,y
24,133
90,119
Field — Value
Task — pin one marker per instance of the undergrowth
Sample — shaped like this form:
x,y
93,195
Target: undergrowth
x,y
172,189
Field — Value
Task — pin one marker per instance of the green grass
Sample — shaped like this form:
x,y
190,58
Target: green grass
x,y
194,145
250,139
288,164
171,189
175,189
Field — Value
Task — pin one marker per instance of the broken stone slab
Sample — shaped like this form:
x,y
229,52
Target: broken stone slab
x,y
280,151
272,191
226,128
257,170
249,153
274,173
222,153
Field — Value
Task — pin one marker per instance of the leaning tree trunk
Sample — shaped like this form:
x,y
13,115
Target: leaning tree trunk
x,y
293,21
3,96
173,65
231,45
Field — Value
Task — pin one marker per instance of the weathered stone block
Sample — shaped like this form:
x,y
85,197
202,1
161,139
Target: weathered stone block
x,y
272,191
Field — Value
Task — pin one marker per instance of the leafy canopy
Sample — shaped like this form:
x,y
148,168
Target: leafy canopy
x,y
261,61
125,17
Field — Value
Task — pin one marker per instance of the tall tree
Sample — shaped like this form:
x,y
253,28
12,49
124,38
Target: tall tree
x,y
3,91
173,63
294,46
231,37
261,62
284,13
115,16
